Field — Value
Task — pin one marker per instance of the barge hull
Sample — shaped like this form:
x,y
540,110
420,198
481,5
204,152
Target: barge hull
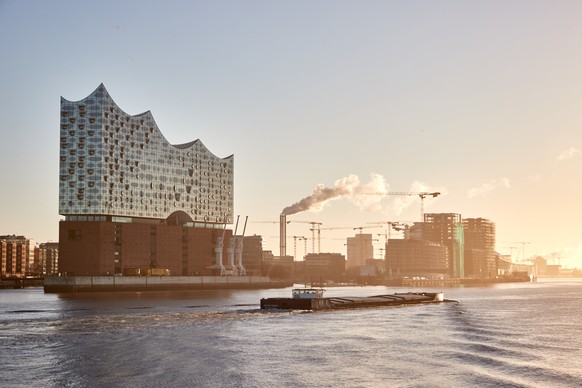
x,y
351,302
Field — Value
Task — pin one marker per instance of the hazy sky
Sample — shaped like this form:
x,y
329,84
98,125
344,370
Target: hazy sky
x,y
480,100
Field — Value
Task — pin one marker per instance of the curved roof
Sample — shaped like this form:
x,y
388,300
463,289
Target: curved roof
x,y
101,91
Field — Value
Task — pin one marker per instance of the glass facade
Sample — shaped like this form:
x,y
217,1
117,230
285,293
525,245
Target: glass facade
x,y
113,163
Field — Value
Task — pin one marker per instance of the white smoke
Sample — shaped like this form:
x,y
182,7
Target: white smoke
x,y
350,188
366,196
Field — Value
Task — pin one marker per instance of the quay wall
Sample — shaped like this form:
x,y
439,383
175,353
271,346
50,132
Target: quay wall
x,y
452,282
157,283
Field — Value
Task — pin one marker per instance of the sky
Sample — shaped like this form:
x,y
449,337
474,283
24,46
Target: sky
x,y
478,100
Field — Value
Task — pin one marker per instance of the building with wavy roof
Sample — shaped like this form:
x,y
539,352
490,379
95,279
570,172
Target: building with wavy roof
x,y
133,200
116,164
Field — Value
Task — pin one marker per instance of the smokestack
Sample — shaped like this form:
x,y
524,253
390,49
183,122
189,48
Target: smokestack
x,y
283,235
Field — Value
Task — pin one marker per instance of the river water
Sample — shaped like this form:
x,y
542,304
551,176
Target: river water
x,y
509,335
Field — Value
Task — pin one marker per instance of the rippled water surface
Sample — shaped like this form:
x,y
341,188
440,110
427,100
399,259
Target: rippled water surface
x,y
511,335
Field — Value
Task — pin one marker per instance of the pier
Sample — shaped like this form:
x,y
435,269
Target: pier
x,y
157,283
18,282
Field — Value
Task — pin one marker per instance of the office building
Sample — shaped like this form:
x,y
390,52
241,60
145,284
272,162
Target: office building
x,y
278,267
321,267
480,256
359,249
415,257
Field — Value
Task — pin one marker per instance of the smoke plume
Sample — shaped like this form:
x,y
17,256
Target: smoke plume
x,y
349,188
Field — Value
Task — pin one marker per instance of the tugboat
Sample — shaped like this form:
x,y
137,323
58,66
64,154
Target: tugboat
x,y
312,299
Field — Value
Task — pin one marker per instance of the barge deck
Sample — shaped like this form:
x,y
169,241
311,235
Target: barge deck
x,y
297,302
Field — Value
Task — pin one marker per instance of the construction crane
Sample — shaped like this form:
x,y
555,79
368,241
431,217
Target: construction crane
x,y
360,228
389,226
510,251
556,256
315,227
295,238
402,227
422,195
266,222
337,227
523,244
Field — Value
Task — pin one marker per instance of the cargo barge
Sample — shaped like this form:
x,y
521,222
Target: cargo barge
x,y
313,299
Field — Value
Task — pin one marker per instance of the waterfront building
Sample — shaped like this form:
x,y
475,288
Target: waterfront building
x,y
373,269
46,259
267,256
479,252
447,229
416,257
253,254
359,249
278,267
16,255
320,267
133,200
503,264
410,257
542,268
